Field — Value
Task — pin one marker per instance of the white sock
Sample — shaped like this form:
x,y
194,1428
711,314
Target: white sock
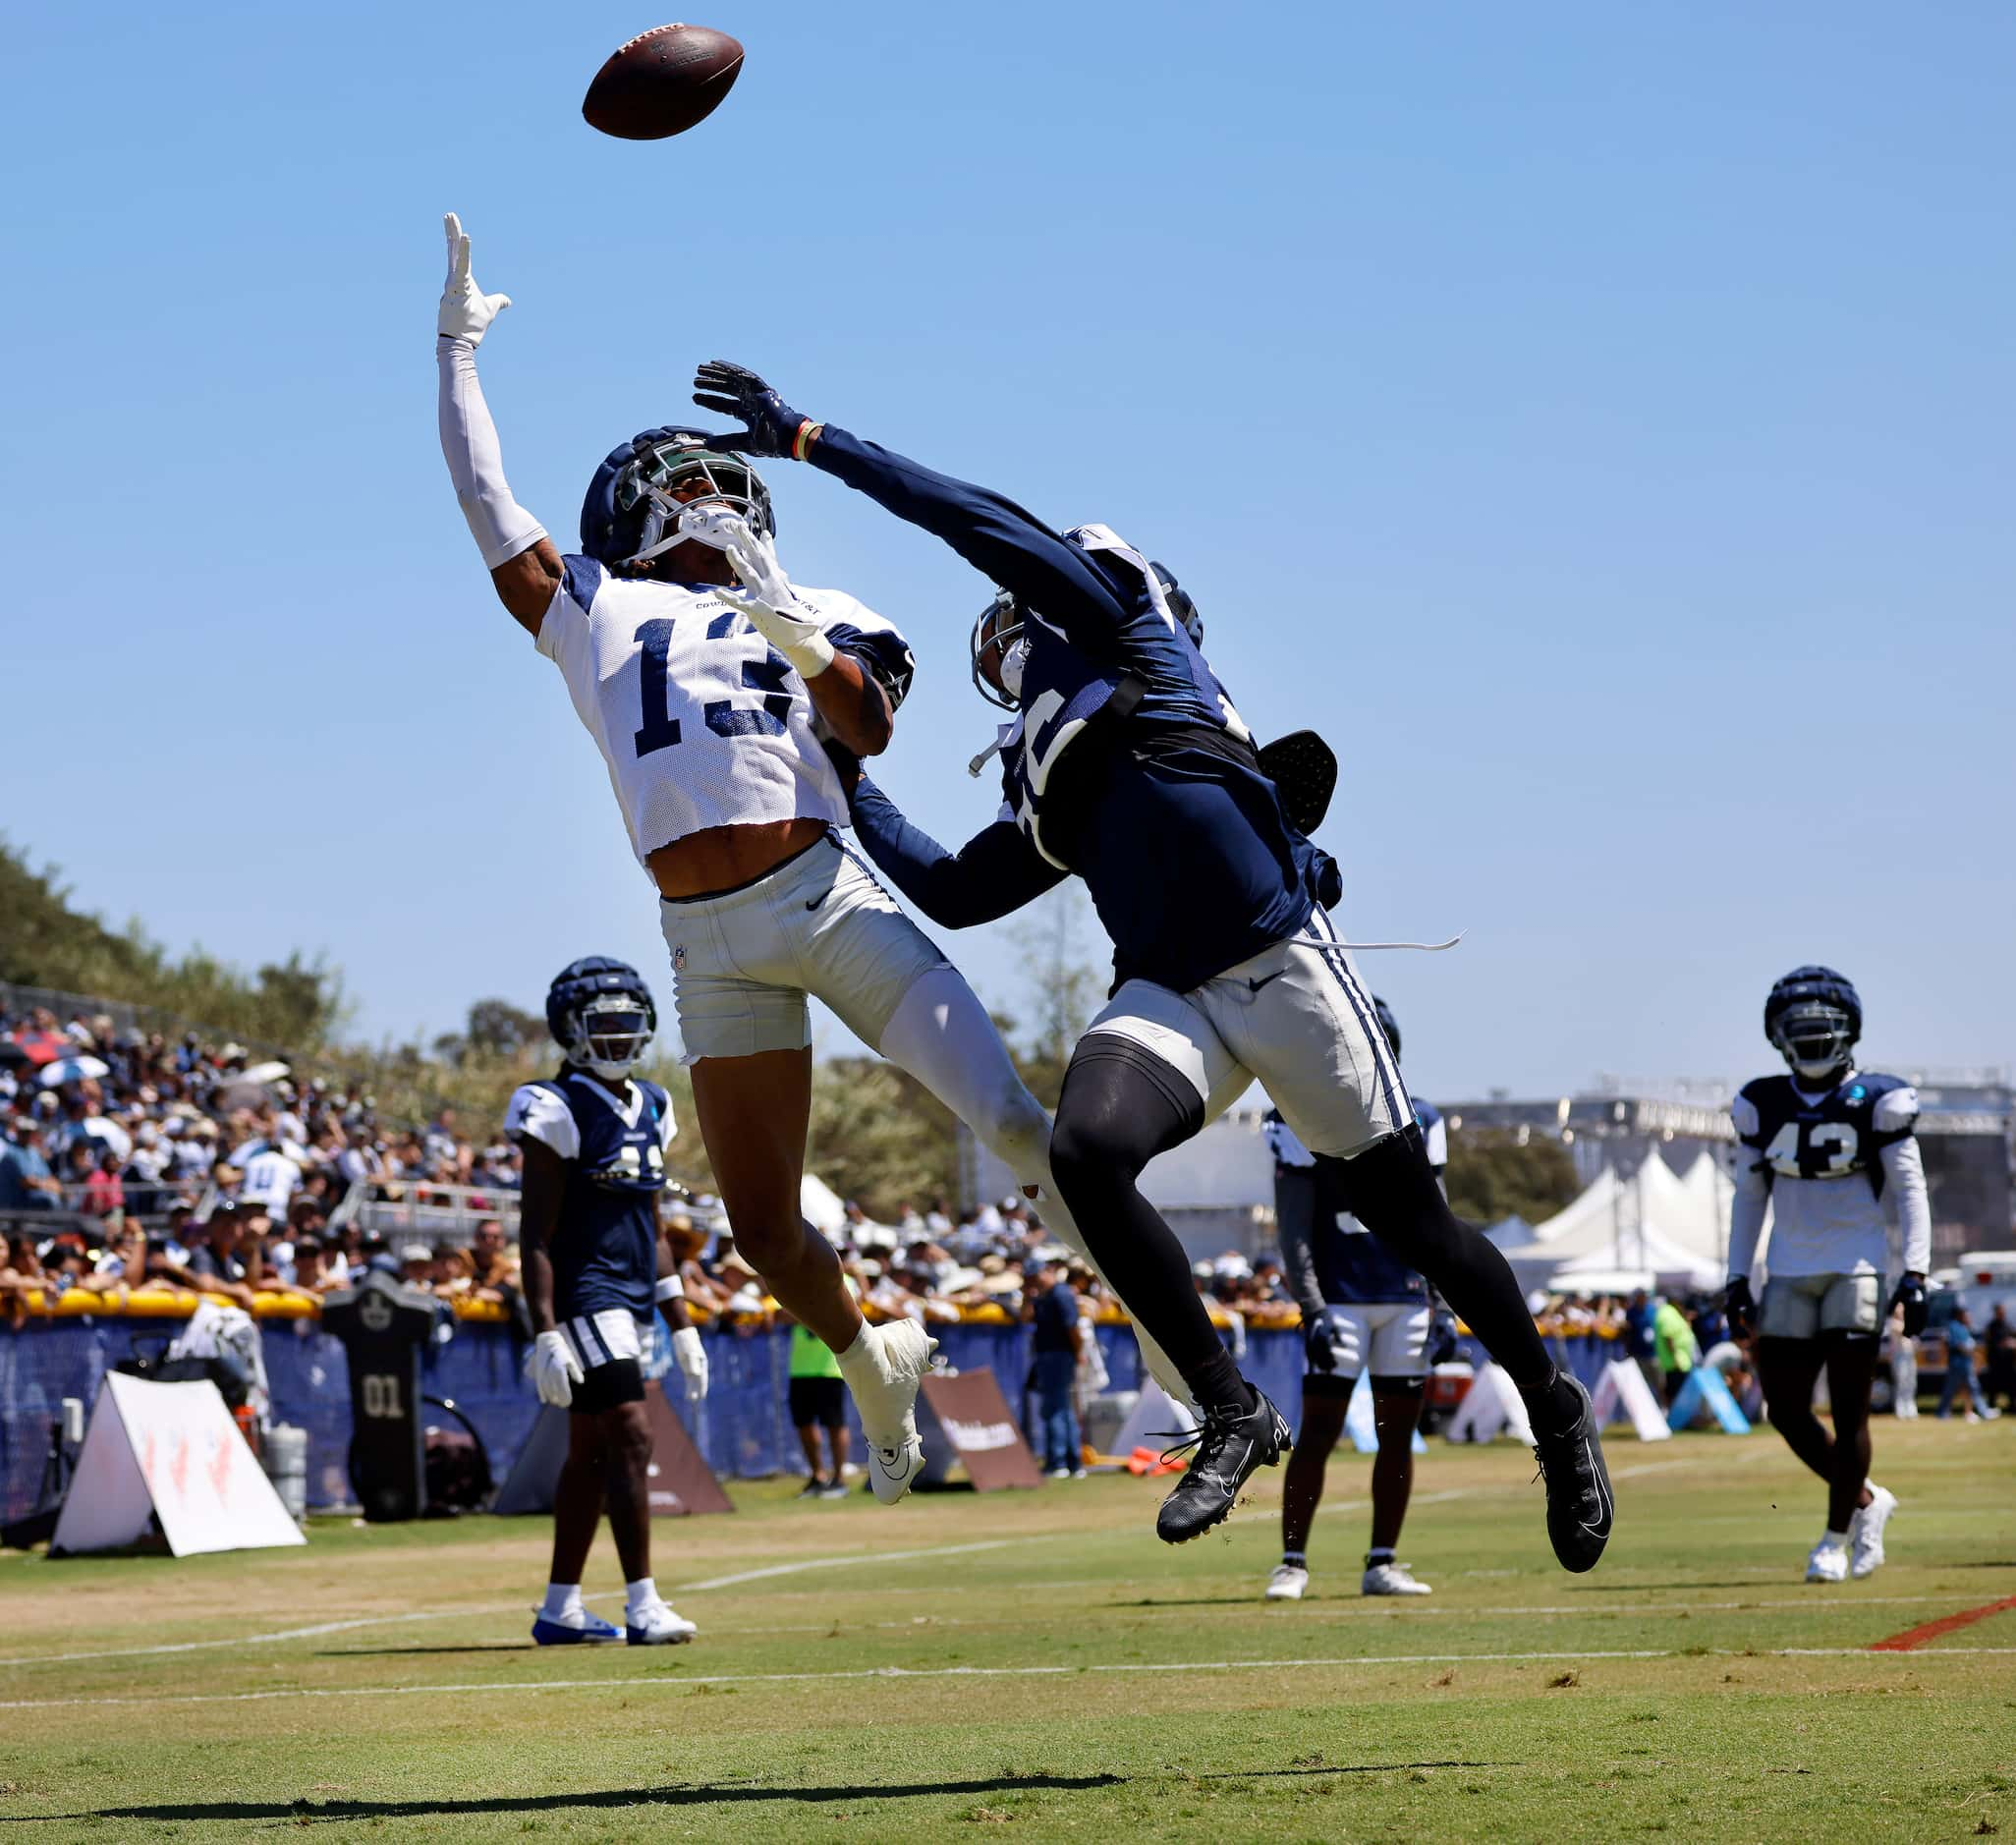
x,y
563,1600
1836,1539
640,1595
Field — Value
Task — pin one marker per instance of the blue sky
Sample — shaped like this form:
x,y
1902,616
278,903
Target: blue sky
x,y
1594,419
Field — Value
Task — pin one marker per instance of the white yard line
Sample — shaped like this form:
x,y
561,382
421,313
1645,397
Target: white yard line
x,y
495,1607
852,1556
627,1684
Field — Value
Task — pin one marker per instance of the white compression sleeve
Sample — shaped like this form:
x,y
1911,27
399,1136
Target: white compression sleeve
x,y
1904,1177
1747,1212
941,1034
502,527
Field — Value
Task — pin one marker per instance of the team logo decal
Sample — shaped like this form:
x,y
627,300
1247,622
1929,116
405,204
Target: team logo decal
x,y
679,959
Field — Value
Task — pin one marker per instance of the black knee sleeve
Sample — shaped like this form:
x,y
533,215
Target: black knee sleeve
x,y
1391,1190
1121,1106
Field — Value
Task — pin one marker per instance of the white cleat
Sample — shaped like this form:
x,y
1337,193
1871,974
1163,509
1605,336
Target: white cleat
x,y
1866,1533
1392,1579
1828,1564
885,1391
657,1624
1287,1583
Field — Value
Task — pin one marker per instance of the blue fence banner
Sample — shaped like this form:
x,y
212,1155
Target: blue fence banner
x,y
742,1428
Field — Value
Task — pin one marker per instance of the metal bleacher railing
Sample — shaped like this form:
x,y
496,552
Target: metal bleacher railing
x,y
422,1210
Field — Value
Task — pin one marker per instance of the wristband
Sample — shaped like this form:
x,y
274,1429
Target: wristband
x,y
802,440
669,1288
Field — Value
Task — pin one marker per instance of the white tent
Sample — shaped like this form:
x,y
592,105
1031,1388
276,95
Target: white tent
x,y
1652,1221
820,1206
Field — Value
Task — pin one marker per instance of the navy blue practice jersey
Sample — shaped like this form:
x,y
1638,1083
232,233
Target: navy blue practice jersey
x,y
605,1250
1127,763
1352,1267
1824,1162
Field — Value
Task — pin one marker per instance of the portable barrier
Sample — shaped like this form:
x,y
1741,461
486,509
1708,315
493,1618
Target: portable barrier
x,y
742,1428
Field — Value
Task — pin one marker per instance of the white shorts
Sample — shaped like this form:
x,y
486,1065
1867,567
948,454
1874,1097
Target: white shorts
x,y
1387,1338
743,963
1802,1306
606,1338
1298,1018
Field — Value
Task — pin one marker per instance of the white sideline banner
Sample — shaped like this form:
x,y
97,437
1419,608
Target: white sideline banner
x,y
170,1451
1623,1386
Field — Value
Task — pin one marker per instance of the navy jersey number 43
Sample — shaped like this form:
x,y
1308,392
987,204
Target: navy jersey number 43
x,y
1834,1136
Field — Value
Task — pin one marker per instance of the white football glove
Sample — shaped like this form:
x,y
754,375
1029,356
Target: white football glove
x,y
783,619
466,310
692,1361
555,1371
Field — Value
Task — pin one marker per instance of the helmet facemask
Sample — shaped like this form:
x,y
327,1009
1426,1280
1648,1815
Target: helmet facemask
x,y
1000,650
1815,1037
610,1033
652,482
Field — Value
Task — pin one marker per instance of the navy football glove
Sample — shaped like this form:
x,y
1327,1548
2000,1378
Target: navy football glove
x,y
771,426
1741,1307
1324,1338
1911,1297
1443,1340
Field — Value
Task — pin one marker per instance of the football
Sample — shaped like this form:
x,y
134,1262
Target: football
x,y
662,81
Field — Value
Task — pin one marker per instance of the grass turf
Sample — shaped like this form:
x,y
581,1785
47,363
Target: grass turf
x,y
1039,1662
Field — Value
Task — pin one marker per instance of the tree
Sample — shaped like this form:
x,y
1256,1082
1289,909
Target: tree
x,y
1498,1172
1064,991
878,1136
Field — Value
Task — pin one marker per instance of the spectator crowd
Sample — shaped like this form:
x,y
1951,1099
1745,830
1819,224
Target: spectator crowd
x,y
128,1159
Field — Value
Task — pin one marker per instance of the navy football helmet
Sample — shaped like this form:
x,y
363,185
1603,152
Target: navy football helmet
x,y
632,510
1814,1016
1002,622
601,1015
1388,1024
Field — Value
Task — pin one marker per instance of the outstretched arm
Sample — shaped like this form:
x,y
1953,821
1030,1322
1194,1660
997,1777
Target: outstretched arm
x,y
995,871
524,563
1008,545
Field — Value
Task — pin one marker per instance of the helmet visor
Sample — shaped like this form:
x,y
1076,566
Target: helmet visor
x,y
1814,1036
614,1029
669,476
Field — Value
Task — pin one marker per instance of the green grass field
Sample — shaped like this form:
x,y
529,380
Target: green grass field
x,y
1039,1662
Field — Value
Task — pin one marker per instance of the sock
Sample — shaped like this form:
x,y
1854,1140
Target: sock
x,y
1374,1558
1835,1539
1553,1404
1218,1384
860,1356
1294,1560
640,1595
562,1600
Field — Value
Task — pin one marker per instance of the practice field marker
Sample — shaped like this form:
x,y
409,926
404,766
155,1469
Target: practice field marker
x,y
672,1682
1916,1637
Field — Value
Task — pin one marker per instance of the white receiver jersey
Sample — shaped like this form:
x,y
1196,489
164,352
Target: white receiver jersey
x,y
701,721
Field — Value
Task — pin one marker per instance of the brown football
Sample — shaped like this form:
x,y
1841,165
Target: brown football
x,y
662,81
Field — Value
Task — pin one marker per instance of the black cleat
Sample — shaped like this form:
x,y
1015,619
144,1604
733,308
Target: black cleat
x,y
1229,1446
1580,1508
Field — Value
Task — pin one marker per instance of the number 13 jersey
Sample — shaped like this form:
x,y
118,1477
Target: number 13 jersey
x,y
1824,1162
701,721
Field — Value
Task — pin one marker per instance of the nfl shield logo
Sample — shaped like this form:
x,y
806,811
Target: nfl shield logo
x,y
679,959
